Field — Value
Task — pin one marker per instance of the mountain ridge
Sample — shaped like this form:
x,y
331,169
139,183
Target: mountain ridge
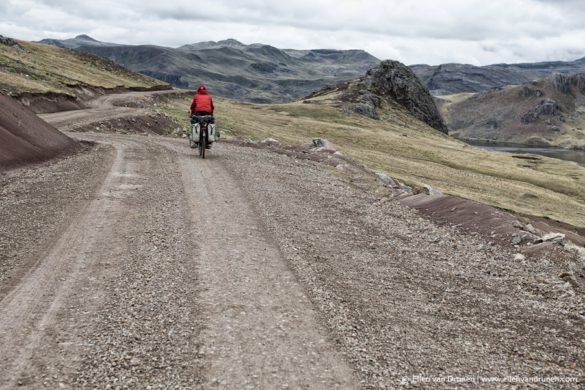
x,y
256,73
451,78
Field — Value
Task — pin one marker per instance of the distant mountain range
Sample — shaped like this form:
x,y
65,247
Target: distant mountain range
x,y
449,79
255,73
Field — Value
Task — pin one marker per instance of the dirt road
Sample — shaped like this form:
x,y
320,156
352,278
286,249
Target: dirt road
x,y
168,269
103,108
137,264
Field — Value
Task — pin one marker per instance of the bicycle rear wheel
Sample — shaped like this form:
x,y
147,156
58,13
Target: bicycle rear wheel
x,y
202,143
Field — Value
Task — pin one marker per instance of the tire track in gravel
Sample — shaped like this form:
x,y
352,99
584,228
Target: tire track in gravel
x,y
30,308
261,330
146,329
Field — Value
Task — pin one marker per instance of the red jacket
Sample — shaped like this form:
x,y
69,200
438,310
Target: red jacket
x,y
202,102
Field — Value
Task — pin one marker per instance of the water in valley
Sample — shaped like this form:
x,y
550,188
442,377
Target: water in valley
x,y
577,156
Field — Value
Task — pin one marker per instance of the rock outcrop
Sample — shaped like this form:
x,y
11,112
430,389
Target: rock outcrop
x,y
546,107
392,81
9,42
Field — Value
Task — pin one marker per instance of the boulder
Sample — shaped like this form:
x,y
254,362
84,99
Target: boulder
x,y
531,229
553,237
324,145
519,257
386,180
270,141
516,239
426,189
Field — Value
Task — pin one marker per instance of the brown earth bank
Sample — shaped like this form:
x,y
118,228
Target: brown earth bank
x,y
49,102
25,138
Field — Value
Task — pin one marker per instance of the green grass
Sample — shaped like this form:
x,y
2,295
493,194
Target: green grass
x,y
412,152
37,68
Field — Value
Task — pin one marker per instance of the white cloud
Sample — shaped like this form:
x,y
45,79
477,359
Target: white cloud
x,y
470,31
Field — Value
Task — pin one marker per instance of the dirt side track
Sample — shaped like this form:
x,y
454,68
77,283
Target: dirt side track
x,y
255,270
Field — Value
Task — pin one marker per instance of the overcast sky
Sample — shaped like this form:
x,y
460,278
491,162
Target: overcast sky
x,y
478,32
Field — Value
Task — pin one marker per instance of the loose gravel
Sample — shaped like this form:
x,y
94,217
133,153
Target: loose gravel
x,y
145,330
399,297
38,202
404,298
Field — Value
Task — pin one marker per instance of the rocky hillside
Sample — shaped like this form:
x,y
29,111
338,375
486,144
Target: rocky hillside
x,y
28,67
391,83
256,73
449,79
547,112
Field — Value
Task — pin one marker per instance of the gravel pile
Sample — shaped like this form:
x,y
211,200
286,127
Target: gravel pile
x,y
403,297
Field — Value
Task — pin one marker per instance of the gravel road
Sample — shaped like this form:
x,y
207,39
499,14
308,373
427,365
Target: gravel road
x,y
145,285
136,264
104,108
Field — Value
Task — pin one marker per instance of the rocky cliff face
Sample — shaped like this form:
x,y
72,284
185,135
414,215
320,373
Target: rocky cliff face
x,y
392,81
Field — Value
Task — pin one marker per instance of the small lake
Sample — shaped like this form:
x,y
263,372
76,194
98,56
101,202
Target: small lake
x,y
577,156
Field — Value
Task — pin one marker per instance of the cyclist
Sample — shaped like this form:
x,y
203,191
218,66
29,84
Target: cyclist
x,y
202,110
202,103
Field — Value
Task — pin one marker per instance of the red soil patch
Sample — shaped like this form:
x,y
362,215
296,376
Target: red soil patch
x,y
471,215
25,138
496,225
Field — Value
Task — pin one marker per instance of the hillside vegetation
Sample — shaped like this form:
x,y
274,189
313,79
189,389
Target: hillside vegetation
x,y
38,68
413,152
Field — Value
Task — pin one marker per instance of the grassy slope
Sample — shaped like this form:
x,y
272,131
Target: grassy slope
x,y
411,151
43,68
